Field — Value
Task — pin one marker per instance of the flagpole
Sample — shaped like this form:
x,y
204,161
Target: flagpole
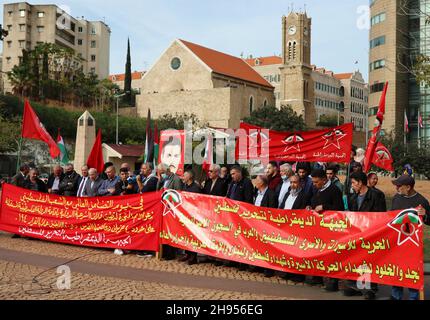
x,y
18,161
419,127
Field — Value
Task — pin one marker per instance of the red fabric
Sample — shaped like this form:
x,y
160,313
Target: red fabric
x,y
382,158
32,128
275,181
95,159
128,222
332,245
371,146
328,145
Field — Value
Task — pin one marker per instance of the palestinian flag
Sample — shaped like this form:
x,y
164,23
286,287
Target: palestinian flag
x,y
64,157
156,139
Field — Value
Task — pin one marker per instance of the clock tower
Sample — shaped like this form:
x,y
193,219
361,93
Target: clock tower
x,y
297,88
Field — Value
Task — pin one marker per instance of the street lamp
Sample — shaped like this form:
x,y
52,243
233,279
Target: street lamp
x,y
117,97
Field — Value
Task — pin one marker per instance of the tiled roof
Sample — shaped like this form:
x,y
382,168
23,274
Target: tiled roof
x,y
342,76
264,61
128,150
227,65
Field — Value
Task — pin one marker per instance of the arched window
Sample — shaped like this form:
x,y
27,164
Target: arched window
x,y
265,103
294,50
251,104
290,50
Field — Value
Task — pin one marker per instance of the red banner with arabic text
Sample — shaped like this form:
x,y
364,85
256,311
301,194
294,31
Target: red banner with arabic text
x,y
128,222
345,245
327,145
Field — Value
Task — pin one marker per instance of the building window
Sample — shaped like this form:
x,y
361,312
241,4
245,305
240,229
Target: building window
x,y
378,18
379,41
22,13
93,70
90,122
22,27
9,28
93,44
175,64
93,30
93,58
9,44
21,44
40,29
80,42
8,60
10,13
377,87
80,29
378,64
40,14
251,104
265,103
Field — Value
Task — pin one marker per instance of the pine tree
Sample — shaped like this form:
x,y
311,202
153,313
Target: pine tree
x,y
127,81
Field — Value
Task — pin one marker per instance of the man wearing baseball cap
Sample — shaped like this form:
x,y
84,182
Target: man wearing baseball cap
x,y
408,198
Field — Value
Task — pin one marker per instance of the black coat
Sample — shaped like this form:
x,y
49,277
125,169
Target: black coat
x,y
51,180
241,191
40,186
270,200
151,185
331,199
19,180
220,188
302,201
193,188
372,202
70,184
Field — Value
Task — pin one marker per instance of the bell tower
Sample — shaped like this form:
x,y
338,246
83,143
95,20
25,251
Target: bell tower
x,y
297,88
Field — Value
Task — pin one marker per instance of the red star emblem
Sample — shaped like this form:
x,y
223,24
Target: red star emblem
x,y
293,142
332,138
407,224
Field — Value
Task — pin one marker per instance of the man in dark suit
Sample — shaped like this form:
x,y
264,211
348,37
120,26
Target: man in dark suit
x,y
241,188
295,198
93,184
70,184
55,180
82,181
215,186
265,198
326,197
146,181
19,179
32,182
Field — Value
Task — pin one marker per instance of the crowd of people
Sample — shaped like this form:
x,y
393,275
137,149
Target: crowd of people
x,y
283,186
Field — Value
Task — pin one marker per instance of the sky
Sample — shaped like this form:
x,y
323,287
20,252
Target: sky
x,y
252,27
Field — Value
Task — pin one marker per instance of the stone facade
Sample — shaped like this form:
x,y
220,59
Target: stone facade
x,y
194,87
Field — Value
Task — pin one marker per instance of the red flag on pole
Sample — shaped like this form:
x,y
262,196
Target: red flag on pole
x,y
371,146
95,159
32,128
382,158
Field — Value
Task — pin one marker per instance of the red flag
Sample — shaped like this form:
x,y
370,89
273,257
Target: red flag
x,y
209,159
95,160
32,128
406,123
382,158
420,121
371,146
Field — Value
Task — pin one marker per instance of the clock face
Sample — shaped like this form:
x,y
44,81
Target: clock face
x,y
292,30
